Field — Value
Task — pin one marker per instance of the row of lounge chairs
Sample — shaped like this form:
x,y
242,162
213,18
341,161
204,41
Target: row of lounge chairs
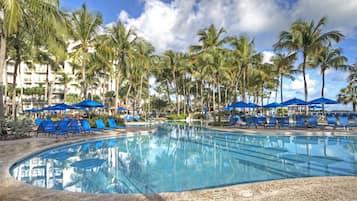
x,y
312,122
75,126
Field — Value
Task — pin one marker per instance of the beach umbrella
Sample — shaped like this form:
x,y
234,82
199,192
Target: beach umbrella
x,y
61,106
33,110
228,108
122,108
273,105
323,100
314,107
294,101
239,104
88,104
252,105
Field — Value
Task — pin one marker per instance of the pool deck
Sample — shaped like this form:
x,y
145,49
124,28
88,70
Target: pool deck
x,y
316,188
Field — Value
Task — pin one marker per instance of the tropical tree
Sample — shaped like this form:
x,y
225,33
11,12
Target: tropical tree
x,y
349,94
84,27
285,68
65,80
307,38
329,58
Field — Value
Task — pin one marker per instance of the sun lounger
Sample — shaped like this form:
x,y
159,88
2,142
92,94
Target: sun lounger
x,y
300,122
271,123
344,122
113,124
331,121
312,122
86,126
284,122
100,124
74,126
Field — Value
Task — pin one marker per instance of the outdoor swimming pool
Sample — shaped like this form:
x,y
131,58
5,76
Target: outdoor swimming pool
x,y
180,158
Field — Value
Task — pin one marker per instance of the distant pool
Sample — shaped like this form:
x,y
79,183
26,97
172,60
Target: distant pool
x,y
180,158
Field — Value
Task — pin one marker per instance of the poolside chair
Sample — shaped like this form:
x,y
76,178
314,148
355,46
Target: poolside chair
x,y
87,128
62,128
113,124
284,122
300,122
100,124
137,118
271,123
38,121
74,126
343,120
312,122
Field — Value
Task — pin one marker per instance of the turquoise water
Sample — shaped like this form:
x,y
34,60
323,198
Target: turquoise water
x,y
180,158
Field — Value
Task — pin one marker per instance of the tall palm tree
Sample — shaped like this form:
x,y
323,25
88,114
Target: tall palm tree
x,y
211,39
15,13
246,56
330,58
121,41
285,68
306,38
84,29
349,95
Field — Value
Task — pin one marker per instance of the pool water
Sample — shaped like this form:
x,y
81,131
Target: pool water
x,y
180,158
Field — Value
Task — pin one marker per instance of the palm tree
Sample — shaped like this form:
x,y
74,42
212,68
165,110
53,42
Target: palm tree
x,y
308,39
120,40
65,79
327,59
211,39
25,12
284,67
84,29
246,57
348,95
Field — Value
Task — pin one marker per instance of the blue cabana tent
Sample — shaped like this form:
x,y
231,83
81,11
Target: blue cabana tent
x,y
88,104
294,101
273,105
228,108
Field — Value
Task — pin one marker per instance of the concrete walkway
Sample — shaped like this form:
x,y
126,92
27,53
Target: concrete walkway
x,y
319,188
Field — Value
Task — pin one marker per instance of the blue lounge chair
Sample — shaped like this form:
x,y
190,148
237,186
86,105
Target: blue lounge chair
x,y
38,121
86,126
355,122
113,124
47,127
343,120
74,126
284,122
271,123
137,118
312,122
62,128
300,122
331,121
100,124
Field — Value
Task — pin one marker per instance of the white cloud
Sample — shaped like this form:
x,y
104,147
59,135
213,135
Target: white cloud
x,y
297,86
267,55
174,25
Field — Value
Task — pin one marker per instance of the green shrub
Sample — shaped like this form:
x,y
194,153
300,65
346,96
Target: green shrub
x,y
216,123
198,116
177,116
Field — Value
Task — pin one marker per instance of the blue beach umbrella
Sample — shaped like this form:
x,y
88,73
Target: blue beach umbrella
x,y
252,105
294,101
33,110
122,108
88,104
228,108
61,106
323,100
239,104
273,105
315,107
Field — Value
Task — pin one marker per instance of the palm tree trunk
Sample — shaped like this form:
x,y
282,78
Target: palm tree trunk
x,y
177,94
116,93
323,84
84,83
64,93
17,64
127,95
281,88
354,106
3,70
201,97
219,101
46,85
305,85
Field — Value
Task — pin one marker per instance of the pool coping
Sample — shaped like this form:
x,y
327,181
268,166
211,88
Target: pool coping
x,y
249,191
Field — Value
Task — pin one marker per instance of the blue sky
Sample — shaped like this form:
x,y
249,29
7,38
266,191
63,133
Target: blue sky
x,y
173,24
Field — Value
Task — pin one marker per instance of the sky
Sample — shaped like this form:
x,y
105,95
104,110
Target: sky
x,y
173,24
